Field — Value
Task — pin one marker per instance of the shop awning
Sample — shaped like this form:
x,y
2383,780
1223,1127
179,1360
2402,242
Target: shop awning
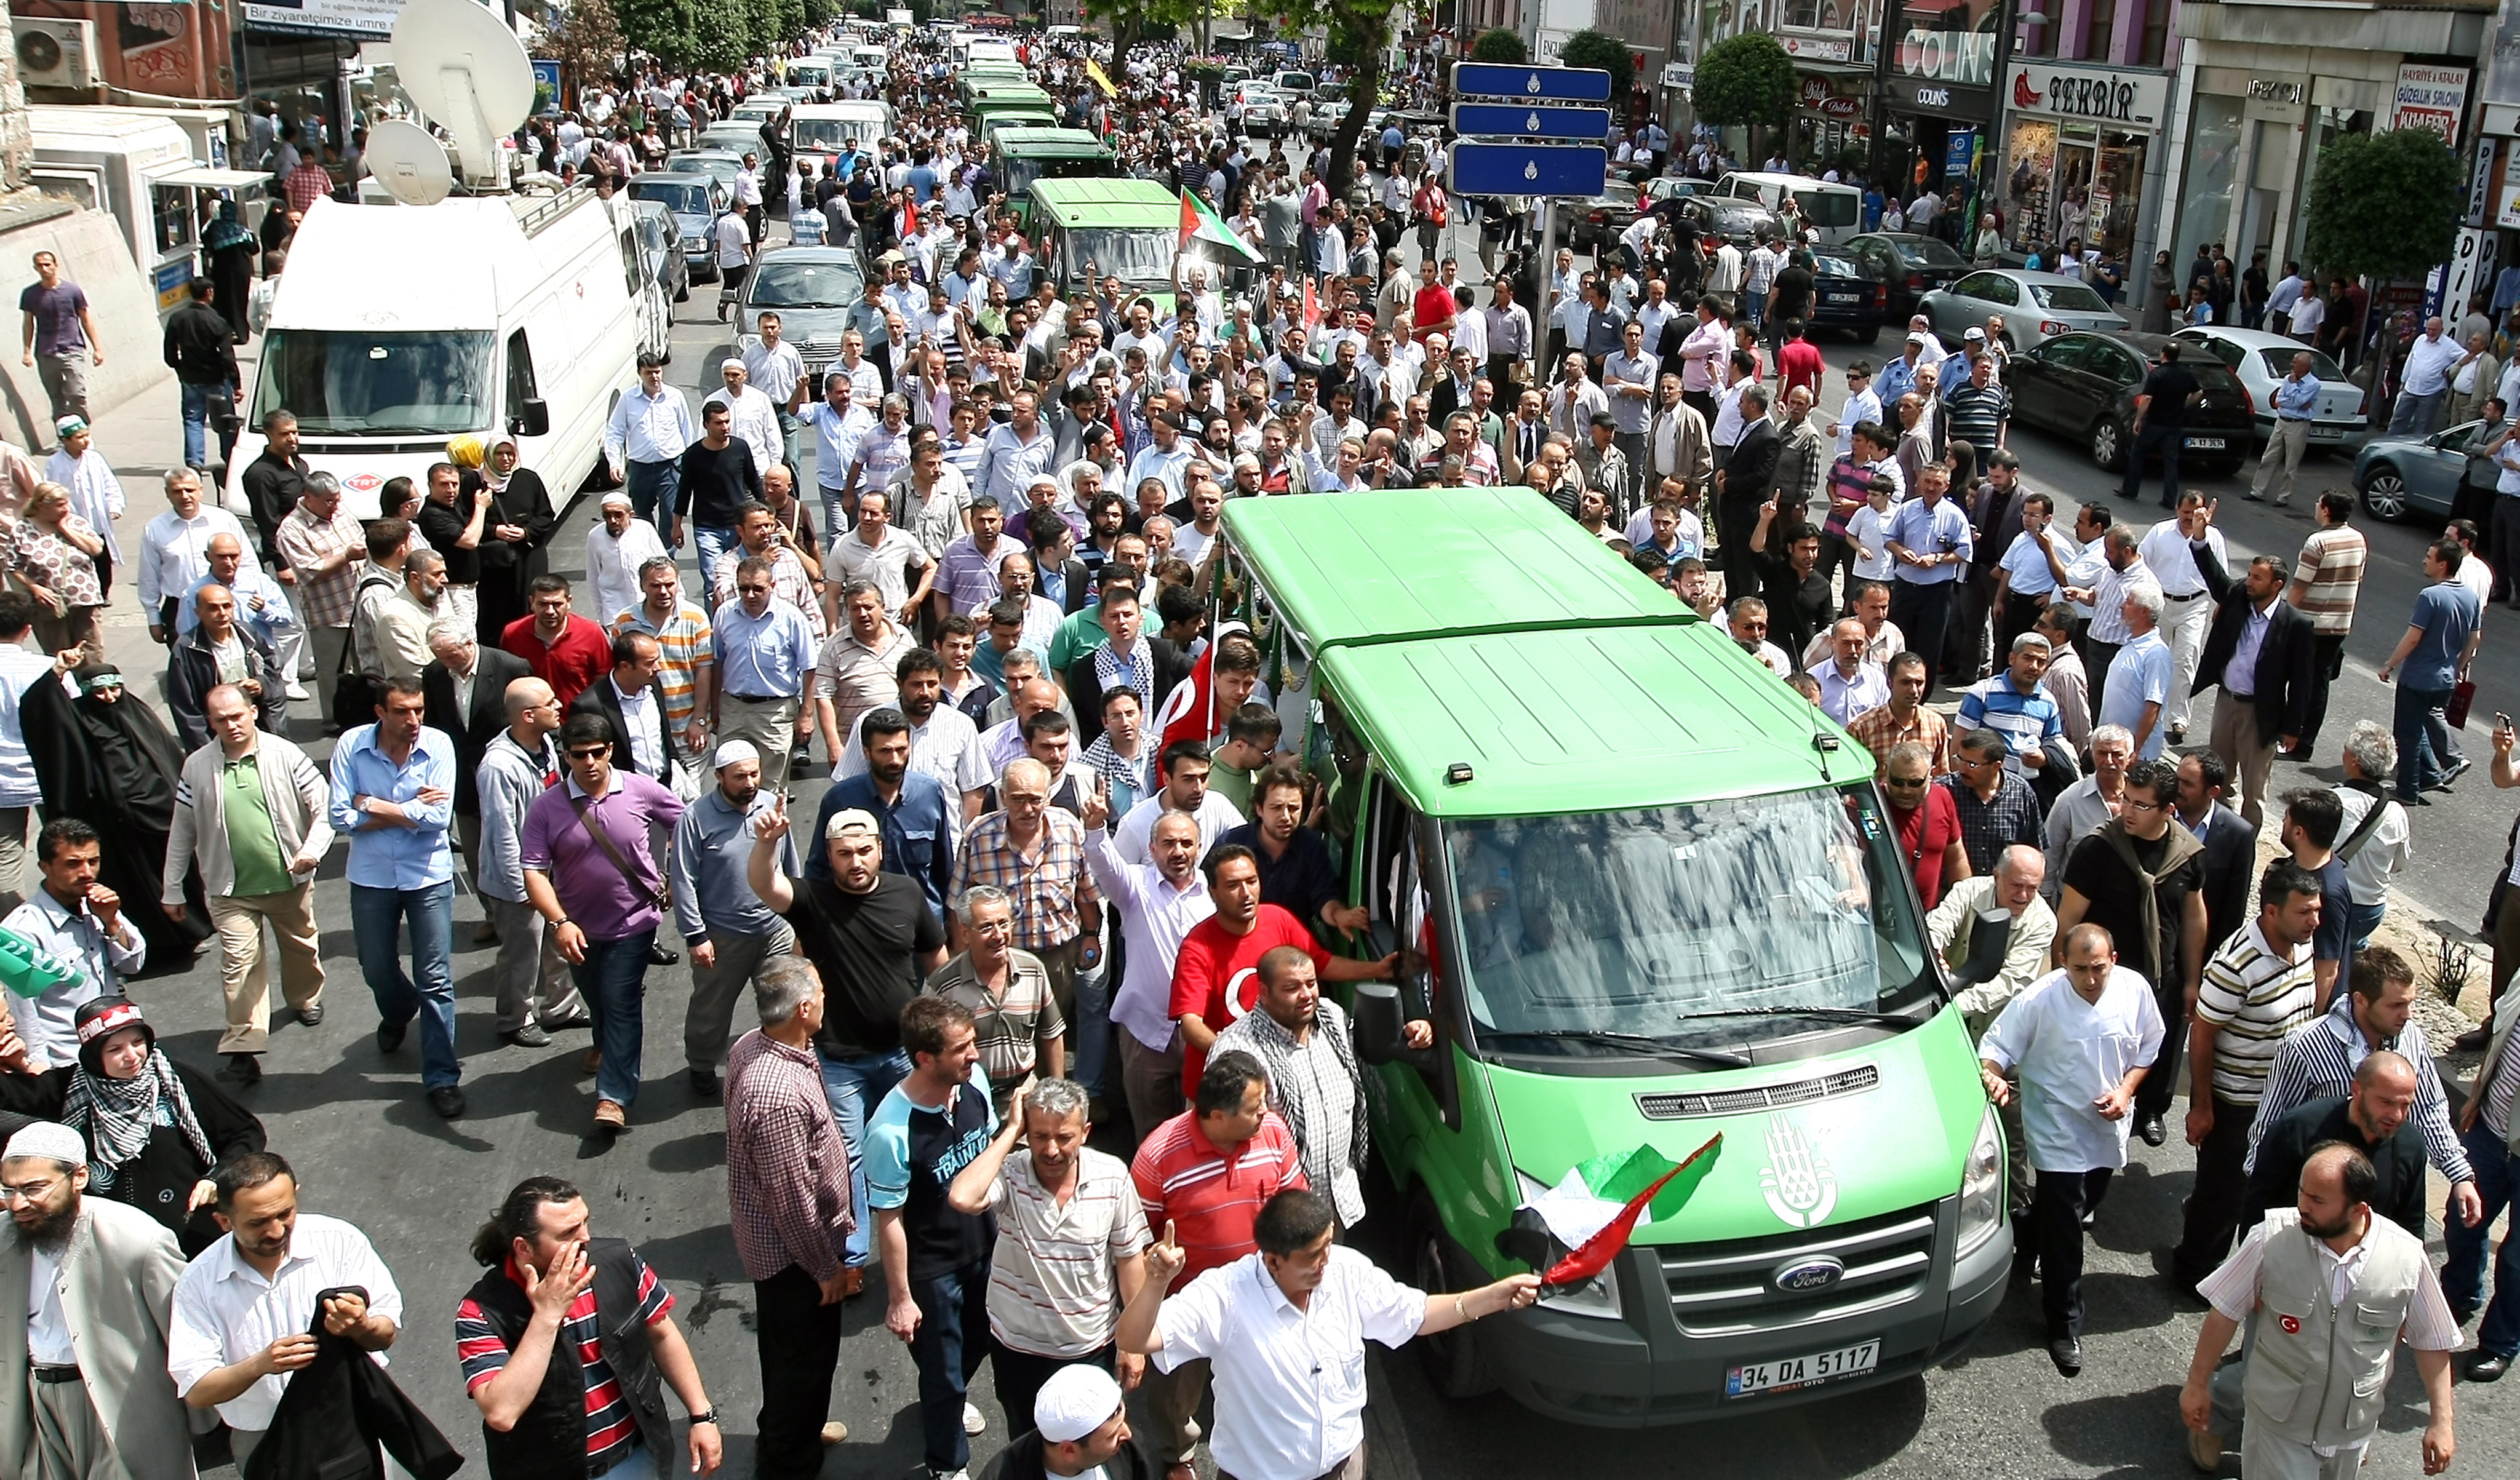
x,y
206,177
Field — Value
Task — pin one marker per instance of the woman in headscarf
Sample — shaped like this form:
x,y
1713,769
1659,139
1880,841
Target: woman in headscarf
x,y
108,759
153,1128
2160,295
56,564
520,528
228,252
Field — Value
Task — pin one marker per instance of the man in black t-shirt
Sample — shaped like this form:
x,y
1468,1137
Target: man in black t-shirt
x,y
2160,427
872,938
2141,878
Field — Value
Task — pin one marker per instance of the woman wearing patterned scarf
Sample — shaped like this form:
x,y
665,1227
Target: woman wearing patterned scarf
x,y
154,1129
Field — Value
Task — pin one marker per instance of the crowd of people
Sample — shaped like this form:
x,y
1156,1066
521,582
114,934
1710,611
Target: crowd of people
x,y
1069,881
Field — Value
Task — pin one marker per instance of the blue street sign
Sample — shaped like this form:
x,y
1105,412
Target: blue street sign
x,y
1565,84
1536,122
1483,168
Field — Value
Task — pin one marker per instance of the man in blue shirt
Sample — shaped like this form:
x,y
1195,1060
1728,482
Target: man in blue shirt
x,y
909,807
2296,398
2440,641
1931,540
765,652
2141,675
2014,704
393,793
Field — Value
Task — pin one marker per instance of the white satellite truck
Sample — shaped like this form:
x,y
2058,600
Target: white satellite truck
x,y
399,325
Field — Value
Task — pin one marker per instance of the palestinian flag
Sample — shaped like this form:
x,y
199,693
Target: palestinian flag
x,y
1199,220
1571,1232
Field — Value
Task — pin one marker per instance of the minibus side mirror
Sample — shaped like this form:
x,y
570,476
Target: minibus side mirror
x,y
1989,938
533,419
1377,1023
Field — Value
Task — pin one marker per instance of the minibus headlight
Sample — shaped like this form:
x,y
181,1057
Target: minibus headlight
x,y
1597,1296
1982,1185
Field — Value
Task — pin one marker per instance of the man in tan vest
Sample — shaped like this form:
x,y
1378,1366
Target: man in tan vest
x,y
2315,1386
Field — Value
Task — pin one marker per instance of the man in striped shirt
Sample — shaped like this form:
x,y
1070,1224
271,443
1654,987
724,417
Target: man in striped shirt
x,y
552,1293
687,671
1203,1177
2255,989
2325,579
2321,1058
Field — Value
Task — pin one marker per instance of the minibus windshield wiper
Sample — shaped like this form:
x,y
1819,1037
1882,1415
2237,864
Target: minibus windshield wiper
x,y
1655,1047
1827,1014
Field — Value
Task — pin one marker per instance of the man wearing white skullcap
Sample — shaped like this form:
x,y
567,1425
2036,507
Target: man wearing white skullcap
x,y
1080,1432
730,932
84,1291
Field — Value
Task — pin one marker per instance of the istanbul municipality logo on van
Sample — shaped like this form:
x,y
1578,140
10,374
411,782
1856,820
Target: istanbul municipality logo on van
x,y
1800,1186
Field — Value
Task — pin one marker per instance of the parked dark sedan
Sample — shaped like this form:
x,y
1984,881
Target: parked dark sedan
x,y
1911,265
1724,218
2083,386
1846,299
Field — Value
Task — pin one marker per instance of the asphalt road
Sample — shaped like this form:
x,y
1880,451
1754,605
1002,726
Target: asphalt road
x,y
370,1150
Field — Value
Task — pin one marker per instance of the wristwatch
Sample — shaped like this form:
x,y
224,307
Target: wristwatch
x,y
709,1417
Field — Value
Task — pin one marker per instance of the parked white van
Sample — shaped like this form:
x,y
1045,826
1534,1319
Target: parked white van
x,y
398,327
1835,212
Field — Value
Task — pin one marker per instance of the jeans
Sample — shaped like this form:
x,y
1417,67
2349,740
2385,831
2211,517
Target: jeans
x,y
2056,1212
712,543
375,913
652,487
1088,1028
2497,1178
837,520
2167,441
614,980
198,402
855,1086
2361,922
2423,738
952,1342
787,444
798,1338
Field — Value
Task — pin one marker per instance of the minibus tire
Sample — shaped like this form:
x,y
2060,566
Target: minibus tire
x,y
1452,1362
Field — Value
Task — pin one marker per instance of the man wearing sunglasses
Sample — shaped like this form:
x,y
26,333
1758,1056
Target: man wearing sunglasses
x,y
591,874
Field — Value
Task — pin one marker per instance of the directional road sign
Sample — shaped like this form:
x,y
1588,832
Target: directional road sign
x,y
1482,167
1564,84
1533,121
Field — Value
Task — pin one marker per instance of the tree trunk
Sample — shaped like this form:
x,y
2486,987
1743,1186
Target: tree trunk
x,y
1365,90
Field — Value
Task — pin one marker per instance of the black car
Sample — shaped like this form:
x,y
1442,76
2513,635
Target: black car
x,y
1593,223
1910,265
1846,299
1727,218
2083,386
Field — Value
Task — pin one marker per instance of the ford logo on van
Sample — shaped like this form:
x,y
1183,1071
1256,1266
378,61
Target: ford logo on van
x,y
1805,1276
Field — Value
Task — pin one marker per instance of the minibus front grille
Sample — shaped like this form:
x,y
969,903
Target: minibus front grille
x,y
1730,1288
1700,1104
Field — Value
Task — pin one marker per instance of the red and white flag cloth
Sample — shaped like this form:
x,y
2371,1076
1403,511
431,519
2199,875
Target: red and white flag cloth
x,y
1189,710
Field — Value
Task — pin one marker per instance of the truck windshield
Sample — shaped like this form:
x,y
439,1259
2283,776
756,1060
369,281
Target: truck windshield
x,y
827,135
355,383
1709,925
1138,258
1023,169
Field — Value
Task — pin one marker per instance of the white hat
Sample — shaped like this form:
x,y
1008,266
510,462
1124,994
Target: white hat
x,y
51,1141
853,819
731,752
1974,337
1915,336
616,500
1076,1400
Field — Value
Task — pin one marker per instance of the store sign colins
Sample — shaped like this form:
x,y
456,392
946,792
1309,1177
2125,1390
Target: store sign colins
x,y
1940,41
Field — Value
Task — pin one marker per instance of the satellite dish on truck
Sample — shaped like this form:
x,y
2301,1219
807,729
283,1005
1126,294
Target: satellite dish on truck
x,y
409,162
468,73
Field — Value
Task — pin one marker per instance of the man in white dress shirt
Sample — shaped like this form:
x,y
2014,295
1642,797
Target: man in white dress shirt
x,y
1285,1329
241,1310
2081,1041
2187,613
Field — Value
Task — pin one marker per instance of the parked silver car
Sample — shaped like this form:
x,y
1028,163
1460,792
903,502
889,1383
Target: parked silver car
x,y
2033,305
2261,361
811,288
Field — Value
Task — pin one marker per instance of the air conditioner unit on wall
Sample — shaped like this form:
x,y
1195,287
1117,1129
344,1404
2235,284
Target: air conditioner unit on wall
x,y
57,53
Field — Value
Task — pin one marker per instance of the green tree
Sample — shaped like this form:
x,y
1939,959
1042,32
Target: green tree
x,y
584,39
662,29
2383,205
1363,26
721,37
1592,48
1134,21
1746,79
1499,45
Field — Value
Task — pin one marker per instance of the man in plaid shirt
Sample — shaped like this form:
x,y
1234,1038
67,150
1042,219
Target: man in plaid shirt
x,y
324,548
788,1202
1035,853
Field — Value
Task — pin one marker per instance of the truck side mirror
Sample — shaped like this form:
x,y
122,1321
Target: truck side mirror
x,y
1377,1023
533,419
1990,936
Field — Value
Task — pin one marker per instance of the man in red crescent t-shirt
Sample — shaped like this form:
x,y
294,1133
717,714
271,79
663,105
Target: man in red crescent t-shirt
x,y
1216,976
1927,822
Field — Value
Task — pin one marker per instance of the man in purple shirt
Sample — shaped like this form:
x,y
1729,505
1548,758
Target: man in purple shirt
x,y
968,579
61,340
592,875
